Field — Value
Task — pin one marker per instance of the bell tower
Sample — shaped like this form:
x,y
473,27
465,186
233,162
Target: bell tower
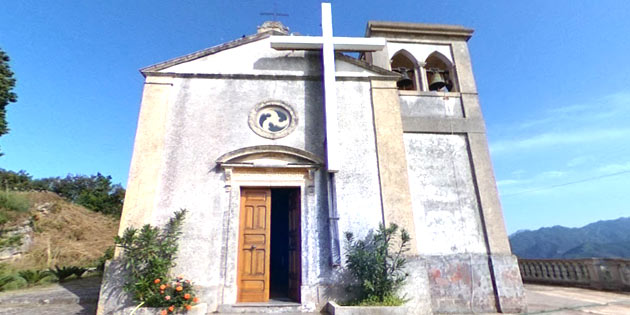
x,y
456,209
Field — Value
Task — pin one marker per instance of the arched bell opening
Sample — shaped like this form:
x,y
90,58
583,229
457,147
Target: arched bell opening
x,y
440,73
405,64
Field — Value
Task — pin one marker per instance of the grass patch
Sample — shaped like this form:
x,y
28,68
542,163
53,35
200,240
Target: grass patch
x,y
11,241
13,201
13,206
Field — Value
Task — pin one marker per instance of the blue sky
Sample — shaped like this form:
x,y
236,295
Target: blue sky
x,y
553,80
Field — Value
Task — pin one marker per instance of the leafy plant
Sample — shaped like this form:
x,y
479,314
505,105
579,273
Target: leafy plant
x,y
148,256
9,279
34,277
65,272
377,264
79,271
109,254
11,282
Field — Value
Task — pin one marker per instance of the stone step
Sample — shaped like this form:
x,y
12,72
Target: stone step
x,y
266,307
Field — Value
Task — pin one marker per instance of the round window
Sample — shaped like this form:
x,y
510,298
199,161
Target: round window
x,y
272,119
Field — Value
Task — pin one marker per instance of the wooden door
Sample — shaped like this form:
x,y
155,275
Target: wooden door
x,y
254,245
295,262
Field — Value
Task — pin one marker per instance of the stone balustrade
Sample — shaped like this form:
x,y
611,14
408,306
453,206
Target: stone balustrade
x,y
604,273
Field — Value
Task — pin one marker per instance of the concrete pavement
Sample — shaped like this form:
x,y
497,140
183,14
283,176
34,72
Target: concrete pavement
x,y
79,297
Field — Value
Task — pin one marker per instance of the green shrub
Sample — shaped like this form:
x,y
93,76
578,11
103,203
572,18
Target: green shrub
x,y
109,254
79,271
14,201
377,264
9,279
389,300
34,277
12,282
148,256
65,272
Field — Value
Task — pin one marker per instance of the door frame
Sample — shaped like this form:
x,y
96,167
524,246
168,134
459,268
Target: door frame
x,y
302,178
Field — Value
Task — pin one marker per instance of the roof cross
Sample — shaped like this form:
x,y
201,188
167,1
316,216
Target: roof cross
x,y
328,44
275,12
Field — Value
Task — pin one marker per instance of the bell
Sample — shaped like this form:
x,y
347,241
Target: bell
x,y
437,82
405,81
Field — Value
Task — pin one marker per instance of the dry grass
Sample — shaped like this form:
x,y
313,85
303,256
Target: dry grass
x,y
69,235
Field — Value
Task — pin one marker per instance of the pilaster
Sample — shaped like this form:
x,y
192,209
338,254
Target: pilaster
x,y
392,160
148,153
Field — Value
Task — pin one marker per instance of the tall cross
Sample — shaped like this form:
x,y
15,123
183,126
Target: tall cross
x,y
328,44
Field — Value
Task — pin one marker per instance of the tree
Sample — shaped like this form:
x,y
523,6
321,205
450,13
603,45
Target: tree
x,y
94,192
7,83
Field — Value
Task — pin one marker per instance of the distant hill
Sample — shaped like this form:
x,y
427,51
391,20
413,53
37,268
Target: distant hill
x,y
602,239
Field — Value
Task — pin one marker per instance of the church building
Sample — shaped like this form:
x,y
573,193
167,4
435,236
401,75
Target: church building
x,y
278,144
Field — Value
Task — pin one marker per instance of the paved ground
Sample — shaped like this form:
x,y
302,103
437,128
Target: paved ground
x,y
73,297
79,298
542,299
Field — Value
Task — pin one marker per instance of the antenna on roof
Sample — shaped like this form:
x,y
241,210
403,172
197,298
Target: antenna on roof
x,y
275,12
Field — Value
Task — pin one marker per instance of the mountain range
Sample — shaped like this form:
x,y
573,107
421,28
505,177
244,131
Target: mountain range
x,y
602,239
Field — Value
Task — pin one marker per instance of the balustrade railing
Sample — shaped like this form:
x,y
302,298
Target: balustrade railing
x,y
604,273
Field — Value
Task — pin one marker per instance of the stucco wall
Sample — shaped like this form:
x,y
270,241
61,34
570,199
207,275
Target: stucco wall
x,y
448,225
443,194
358,194
431,106
208,118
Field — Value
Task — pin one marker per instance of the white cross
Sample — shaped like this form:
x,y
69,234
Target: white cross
x,y
328,44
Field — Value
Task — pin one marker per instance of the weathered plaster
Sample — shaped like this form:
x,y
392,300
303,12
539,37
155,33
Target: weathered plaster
x,y
256,58
443,194
443,125
465,77
392,162
436,105
147,158
488,195
358,188
461,283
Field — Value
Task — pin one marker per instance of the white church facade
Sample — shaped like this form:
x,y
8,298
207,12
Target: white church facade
x,y
273,172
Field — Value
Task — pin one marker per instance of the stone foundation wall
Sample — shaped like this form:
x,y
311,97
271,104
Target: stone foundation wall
x,y
474,283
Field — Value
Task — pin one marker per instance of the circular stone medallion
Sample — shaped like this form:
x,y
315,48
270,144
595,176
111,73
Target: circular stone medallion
x,y
272,119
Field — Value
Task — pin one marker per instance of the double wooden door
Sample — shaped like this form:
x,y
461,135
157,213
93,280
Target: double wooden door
x,y
255,245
